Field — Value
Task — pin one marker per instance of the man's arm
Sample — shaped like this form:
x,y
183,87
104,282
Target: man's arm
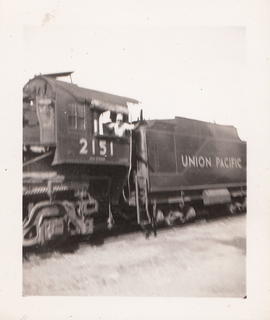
x,y
110,125
131,126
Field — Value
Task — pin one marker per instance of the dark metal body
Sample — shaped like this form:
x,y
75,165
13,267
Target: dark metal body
x,y
184,157
69,157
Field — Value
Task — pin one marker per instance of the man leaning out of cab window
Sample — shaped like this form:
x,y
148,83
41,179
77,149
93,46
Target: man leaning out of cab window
x,y
120,127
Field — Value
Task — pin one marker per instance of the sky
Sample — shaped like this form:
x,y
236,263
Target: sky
x,y
195,72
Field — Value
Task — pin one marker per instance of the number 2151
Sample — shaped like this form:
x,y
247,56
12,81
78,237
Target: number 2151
x,y
102,147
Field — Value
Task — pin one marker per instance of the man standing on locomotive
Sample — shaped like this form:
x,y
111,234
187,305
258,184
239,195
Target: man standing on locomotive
x,y
120,127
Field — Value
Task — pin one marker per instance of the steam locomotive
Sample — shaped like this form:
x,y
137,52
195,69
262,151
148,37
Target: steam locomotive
x,y
77,174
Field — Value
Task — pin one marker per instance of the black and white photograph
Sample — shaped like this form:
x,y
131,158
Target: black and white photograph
x,y
137,137
94,169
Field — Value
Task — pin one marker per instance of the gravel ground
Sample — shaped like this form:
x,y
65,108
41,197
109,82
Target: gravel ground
x,y
203,259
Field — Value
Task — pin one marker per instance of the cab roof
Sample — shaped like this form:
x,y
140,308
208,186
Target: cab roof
x,y
98,99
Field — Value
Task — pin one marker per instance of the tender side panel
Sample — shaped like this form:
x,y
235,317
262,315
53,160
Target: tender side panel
x,y
191,162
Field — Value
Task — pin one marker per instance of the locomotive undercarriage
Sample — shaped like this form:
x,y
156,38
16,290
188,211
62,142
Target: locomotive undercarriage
x,y
168,209
61,215
69,213
170,214
62,202
55,210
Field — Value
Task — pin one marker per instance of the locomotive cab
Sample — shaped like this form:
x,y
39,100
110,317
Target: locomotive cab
x,y
73,163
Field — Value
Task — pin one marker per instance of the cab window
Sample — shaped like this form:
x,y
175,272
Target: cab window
x,y
104,118
76,117
30,118
101,121
46,112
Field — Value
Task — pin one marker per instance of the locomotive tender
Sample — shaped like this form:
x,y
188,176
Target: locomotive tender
x,y
77,173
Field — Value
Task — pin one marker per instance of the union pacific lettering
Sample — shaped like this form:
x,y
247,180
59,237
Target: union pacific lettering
x,y
189,161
